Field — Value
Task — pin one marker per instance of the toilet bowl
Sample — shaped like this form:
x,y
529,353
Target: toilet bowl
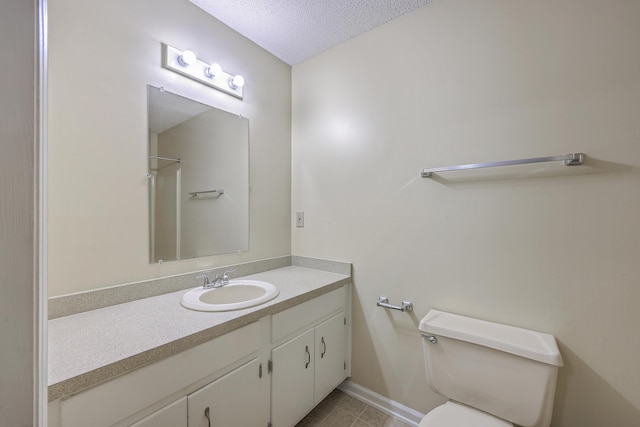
x,y
453,414
494,375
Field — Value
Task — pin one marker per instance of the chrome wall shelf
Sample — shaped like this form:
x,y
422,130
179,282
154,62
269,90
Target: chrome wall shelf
x,y
196,193
572,159
164,158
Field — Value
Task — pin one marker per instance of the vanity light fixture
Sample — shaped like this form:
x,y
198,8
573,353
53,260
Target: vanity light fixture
x,y
186,62
187,58
213,71
236,82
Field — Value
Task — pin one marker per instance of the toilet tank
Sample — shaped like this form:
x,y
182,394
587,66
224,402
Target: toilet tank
x,y
506,371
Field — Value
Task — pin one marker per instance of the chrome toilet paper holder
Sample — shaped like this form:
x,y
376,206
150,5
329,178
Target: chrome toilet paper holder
x,y
384,302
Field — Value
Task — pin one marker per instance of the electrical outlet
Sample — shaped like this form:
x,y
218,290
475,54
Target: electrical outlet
x,y
299,219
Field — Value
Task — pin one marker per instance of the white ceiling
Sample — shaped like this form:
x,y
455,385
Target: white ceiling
x,y
295,30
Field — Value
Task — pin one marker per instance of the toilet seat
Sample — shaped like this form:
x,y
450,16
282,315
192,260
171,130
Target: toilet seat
x,y
453,414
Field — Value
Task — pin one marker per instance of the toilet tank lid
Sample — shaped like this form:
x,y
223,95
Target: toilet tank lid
x,y
533,345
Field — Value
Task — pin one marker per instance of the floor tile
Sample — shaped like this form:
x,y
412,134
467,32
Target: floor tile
x,y
334,396
339,409
374,417
352,405
339,418
309,421
393,422
322,409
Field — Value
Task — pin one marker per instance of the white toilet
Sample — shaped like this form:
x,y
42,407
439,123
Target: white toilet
x,y
493,375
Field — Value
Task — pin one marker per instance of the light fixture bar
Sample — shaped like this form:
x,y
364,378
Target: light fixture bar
x,y
187,64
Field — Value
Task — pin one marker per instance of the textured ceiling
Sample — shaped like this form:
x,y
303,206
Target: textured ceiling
x,y
295,30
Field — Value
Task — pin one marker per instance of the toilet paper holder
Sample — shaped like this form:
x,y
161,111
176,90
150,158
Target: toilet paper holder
x,y
384,302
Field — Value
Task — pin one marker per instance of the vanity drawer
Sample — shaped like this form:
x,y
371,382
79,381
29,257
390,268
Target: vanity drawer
x,y
122,397
303,315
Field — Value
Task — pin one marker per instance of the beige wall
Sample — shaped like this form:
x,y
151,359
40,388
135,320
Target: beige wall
x,y
18,215
541,246
102,56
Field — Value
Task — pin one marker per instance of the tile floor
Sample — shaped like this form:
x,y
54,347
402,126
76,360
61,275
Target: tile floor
x,y
341,410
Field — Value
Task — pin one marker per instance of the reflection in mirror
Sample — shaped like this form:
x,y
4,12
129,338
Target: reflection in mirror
x,y
198,179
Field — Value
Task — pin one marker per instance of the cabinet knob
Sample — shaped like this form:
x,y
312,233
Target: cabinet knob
x,y
324,348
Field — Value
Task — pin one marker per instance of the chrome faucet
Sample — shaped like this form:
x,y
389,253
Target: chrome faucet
x,y
207,282
218,282
224,280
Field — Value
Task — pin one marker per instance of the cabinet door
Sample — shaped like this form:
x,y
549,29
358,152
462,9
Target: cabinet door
x,y
330,370
172,415
292,380
240,398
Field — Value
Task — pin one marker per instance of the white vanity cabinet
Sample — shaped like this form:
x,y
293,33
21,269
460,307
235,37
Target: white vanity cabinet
x,y
240,398
274,370
172,415
331,356
309,365
130,398
292,380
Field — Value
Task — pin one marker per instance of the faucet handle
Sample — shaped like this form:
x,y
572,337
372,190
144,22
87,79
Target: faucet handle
x,y
225,276
207,281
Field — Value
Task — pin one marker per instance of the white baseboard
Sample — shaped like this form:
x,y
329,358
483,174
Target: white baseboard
x,y
391,407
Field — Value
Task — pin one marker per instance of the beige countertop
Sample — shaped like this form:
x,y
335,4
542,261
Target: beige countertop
x,y
89,348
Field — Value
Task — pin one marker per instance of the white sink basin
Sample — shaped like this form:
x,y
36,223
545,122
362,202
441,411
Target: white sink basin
x,y
234,296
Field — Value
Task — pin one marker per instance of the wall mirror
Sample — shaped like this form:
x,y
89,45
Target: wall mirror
x,y
198,178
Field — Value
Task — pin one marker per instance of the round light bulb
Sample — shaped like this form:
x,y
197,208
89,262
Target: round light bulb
x,y
187,58
237,82
213,70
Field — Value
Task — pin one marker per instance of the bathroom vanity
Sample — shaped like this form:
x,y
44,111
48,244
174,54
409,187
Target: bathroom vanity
x,y
152,362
